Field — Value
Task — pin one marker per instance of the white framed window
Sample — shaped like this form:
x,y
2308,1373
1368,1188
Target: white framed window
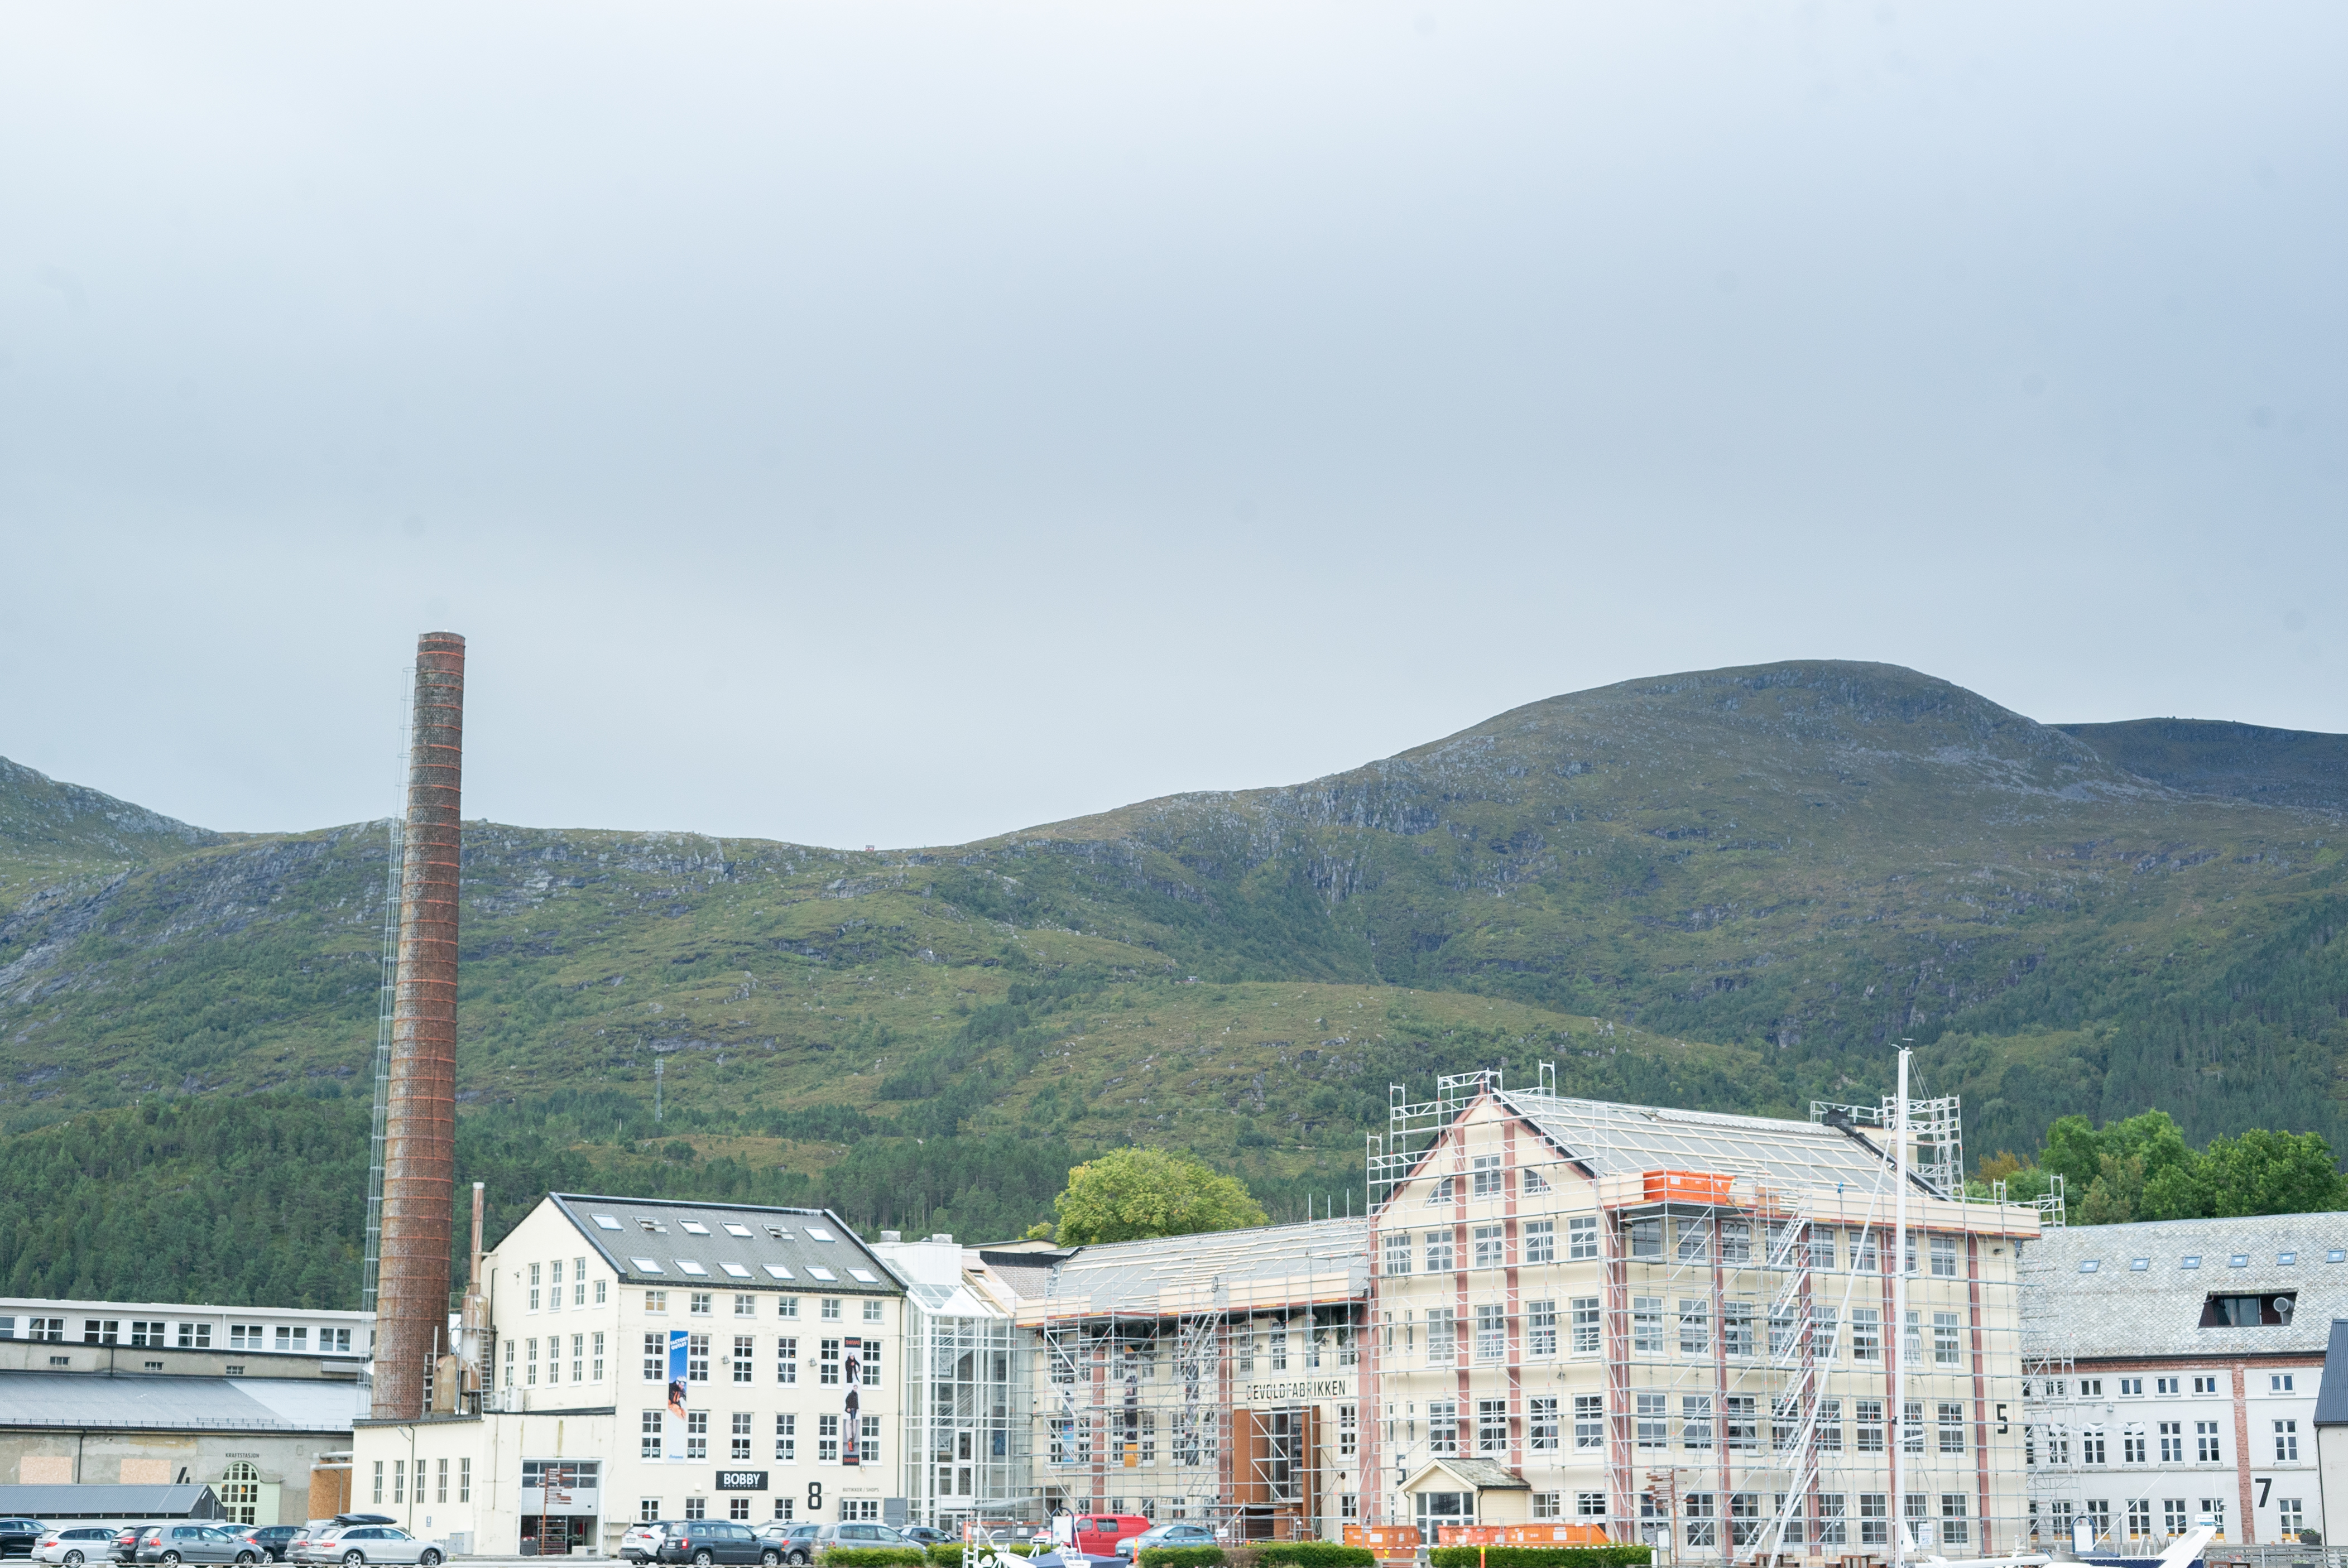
x,y
787,1439
1695,1421
1396,1260
1486,1179
1540,1328
1588,1327
1588,1421
1581,1237
1438,1252
1540,1424
1541,1241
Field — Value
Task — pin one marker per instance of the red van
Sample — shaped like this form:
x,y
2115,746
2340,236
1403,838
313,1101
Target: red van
x,y
1098,1534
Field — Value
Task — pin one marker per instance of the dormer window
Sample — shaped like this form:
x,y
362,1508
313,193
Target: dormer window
x,y
2248,1311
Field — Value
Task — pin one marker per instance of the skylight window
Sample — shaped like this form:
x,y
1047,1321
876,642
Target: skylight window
x,y
692,1228
819,1272
2138,1264
733,1229
607,1222
735,1269
647,1265
775,1231
817,1233
2239,1260
654,1227
690,1267
2190,1260
779,1272
2090,1266
2337,1255
2285,1259
863,1276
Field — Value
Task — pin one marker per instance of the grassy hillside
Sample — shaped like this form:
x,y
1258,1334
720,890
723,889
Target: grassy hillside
x,y
1797,864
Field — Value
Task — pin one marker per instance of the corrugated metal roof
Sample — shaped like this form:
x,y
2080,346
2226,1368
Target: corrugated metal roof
x,y
83,1401
2332,1389
737,1246
110,1501
2118,1310
1221,1267
1618,1140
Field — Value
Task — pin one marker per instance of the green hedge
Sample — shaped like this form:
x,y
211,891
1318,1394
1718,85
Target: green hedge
x,y
871,1557
1181,1557
1541,1556
1316,1554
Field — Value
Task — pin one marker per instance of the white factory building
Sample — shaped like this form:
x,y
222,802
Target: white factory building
x,y
2173,1371
254,1403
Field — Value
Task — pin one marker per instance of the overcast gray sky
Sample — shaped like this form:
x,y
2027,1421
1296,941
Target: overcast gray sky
x,y
897,423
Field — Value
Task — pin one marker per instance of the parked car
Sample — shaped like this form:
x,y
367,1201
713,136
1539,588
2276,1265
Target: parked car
x,y
925,1535
124,1547
74,1546
701,1542
272,1538
181,1542
1098,1534
360,1543
1166,1535
796,1542
18,1537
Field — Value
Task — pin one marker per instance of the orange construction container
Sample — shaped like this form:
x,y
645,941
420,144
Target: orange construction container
x,y
1521,1535
1687,1187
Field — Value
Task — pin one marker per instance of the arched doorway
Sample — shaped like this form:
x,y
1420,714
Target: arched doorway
x,y
241,1493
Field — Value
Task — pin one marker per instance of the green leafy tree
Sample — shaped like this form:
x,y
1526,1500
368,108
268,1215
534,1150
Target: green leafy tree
x,y
2139,1168
1129,1194
2265,1172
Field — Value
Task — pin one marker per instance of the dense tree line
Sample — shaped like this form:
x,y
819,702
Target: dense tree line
x,y
263,1199
2141,1168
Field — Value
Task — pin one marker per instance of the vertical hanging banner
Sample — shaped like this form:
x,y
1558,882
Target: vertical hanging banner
x,y
675,1421
850,1429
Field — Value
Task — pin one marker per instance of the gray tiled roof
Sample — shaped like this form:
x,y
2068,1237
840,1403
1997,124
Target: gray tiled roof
x,y
2119,1311
657,1231
125,1402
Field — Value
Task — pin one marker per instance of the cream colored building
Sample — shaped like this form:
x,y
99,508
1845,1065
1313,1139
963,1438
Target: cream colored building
x,y
639,1359
1685,1327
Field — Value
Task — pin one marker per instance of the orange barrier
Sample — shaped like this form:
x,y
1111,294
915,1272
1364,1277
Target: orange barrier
x,y
1521,1535
1396,1538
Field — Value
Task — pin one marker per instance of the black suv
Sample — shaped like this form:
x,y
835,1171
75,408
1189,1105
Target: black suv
x,y
19,1536
704,1542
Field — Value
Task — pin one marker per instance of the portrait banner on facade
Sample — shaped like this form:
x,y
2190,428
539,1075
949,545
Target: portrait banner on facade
x,y
852,1350
675,1421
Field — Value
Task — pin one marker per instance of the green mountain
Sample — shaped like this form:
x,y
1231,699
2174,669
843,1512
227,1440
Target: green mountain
x,y
1735,888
